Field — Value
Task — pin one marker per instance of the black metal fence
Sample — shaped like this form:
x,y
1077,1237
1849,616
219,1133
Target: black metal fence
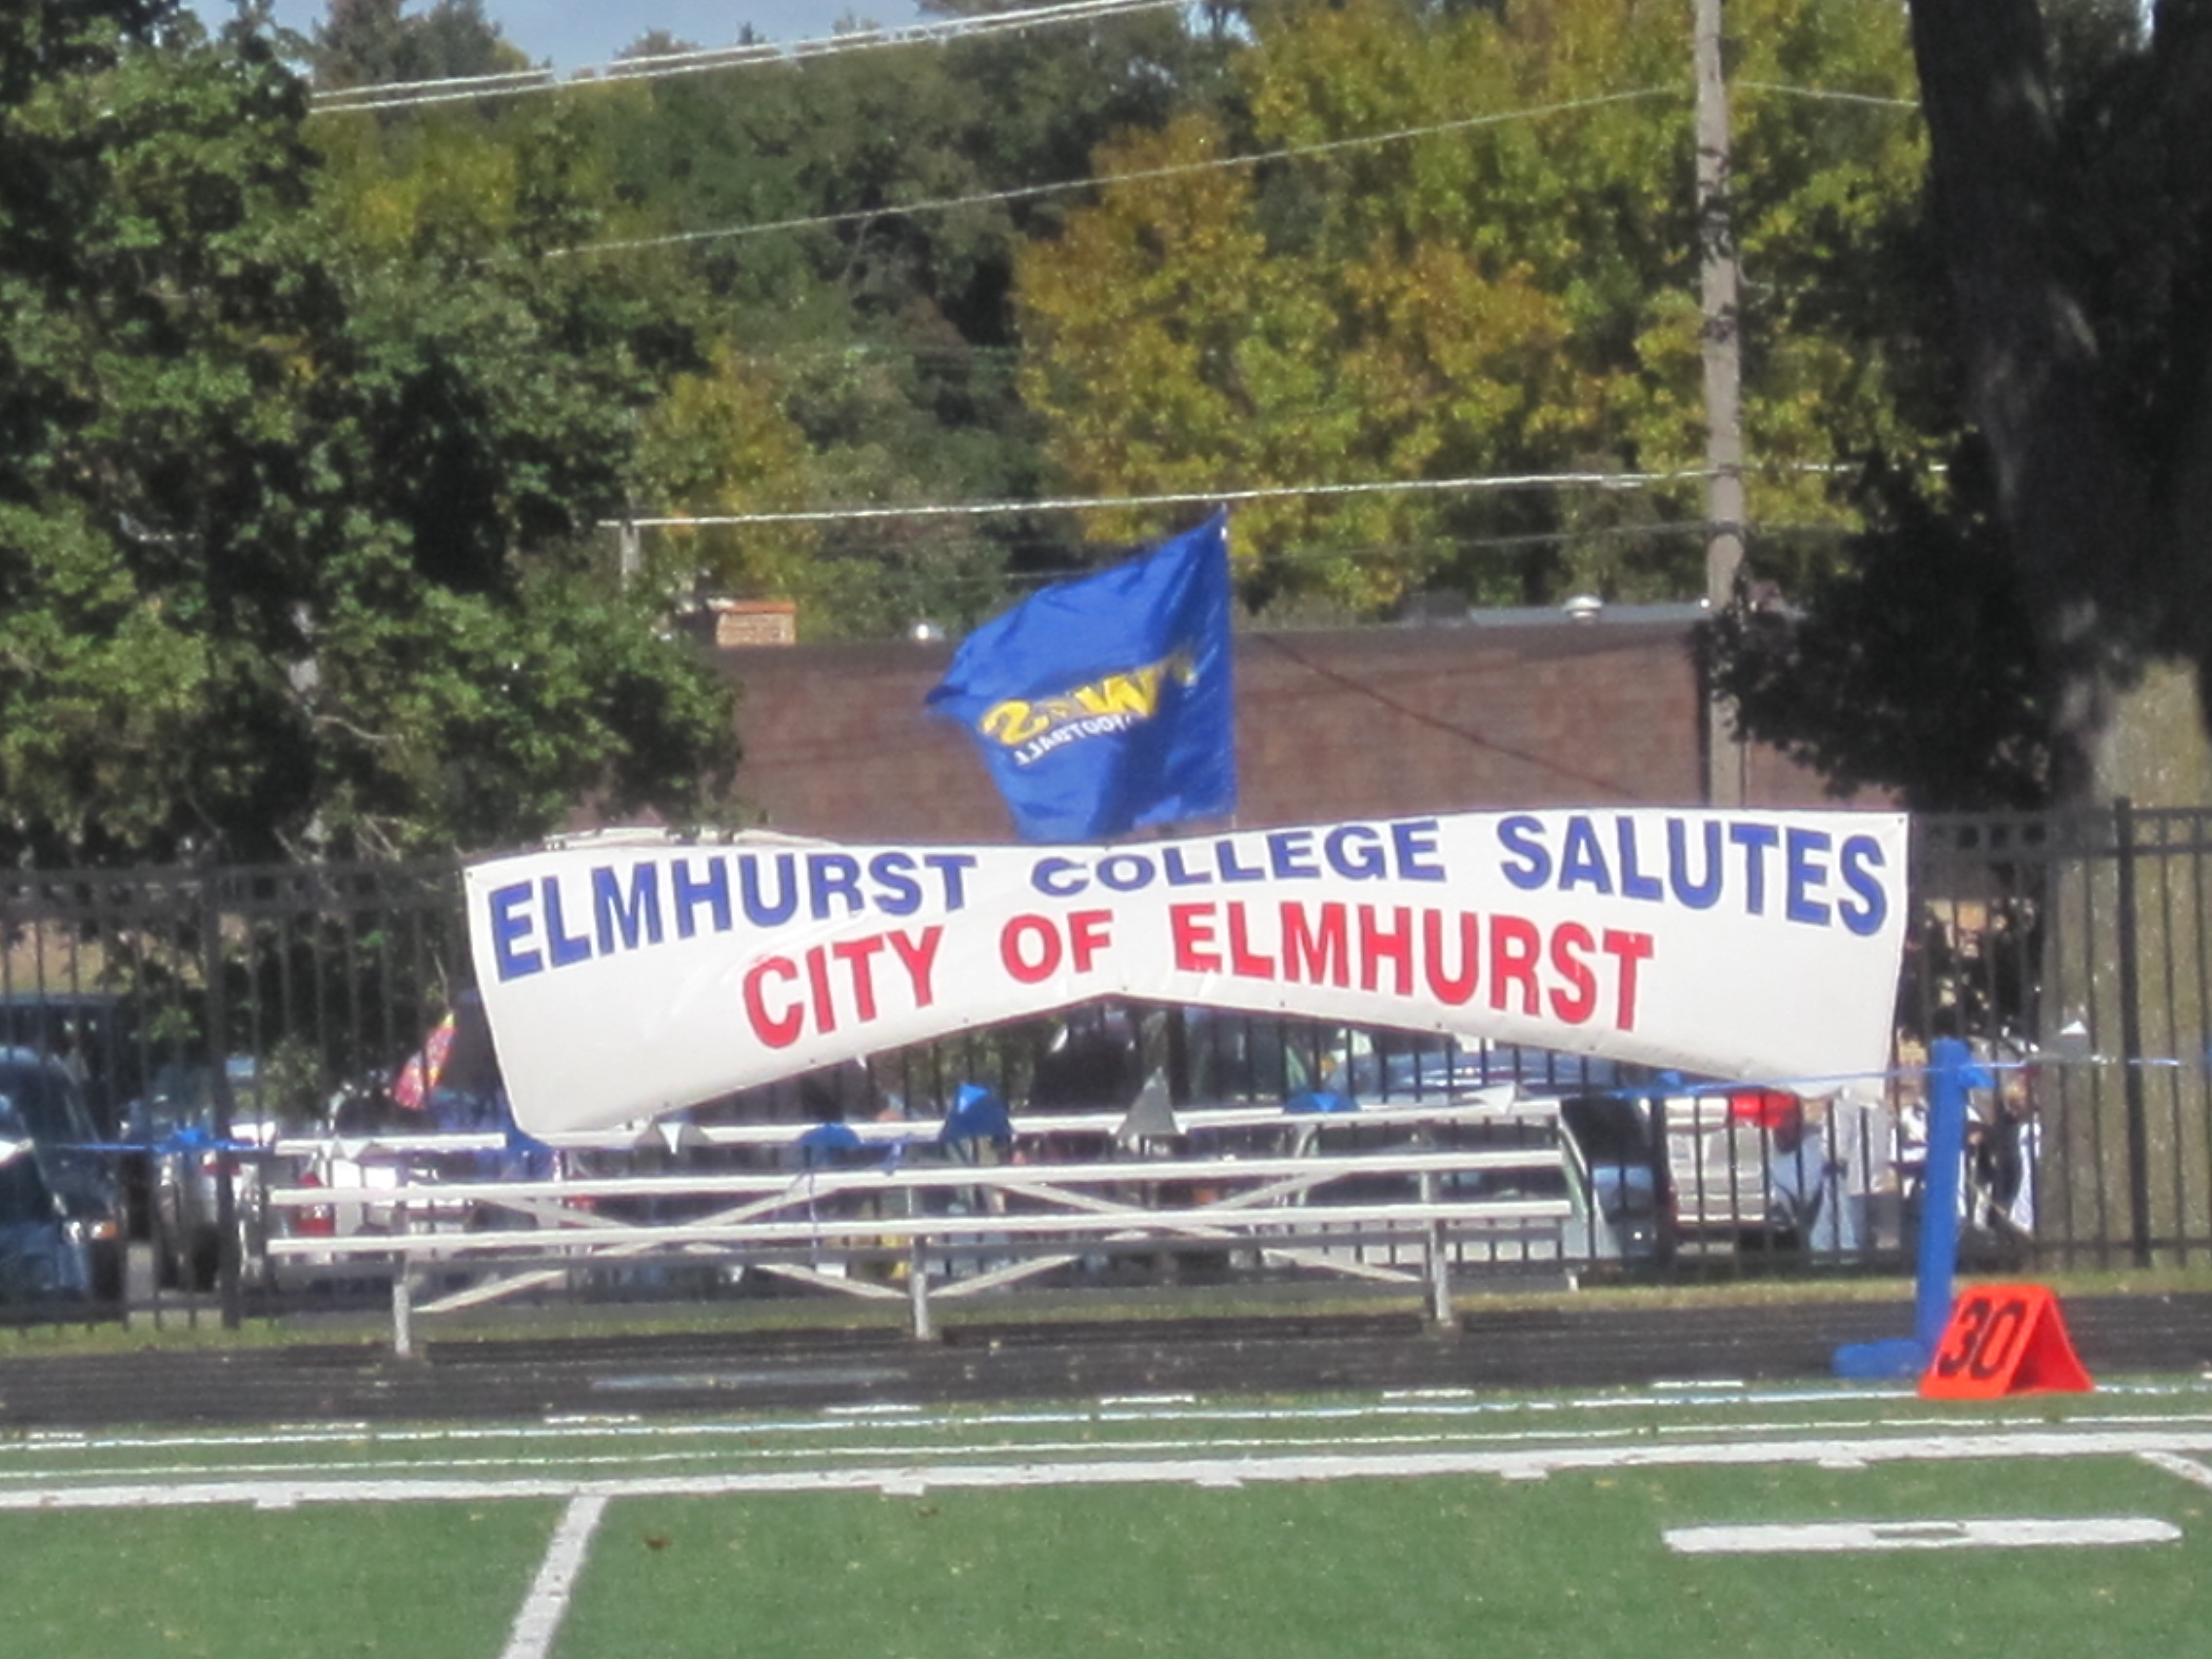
x,y
197,1011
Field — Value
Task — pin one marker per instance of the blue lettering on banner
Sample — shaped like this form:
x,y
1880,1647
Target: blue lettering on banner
x,y
637,919
1751,865
897,892
1805,875
1290,855
1705,892
631,905
689,892
1862,856
1756,840
1406,851
1634,884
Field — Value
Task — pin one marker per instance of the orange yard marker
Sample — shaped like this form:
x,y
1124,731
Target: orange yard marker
x,y
2004,1338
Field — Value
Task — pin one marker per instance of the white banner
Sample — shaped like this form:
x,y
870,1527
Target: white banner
x,y
629,976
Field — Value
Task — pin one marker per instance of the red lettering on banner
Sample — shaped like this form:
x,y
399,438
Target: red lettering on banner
x,y
1563,973
1243,961
1393,945
775,1033
1030,949
1453,989
918,956
1317,954
1515,947
1189,928
1089,932
1627,950
818,981
855,954
1570,943
837,979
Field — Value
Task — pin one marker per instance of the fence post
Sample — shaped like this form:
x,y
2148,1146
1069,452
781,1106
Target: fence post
x,y
2132,1035
217,1040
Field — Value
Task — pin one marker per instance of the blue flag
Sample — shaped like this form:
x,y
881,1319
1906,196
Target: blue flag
x,y
1104,704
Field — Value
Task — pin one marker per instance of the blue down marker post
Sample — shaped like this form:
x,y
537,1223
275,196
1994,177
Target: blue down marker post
x,y
1951,1071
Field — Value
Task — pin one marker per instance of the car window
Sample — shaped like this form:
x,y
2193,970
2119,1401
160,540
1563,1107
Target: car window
x,y
24,1192
48,1103
1609,1128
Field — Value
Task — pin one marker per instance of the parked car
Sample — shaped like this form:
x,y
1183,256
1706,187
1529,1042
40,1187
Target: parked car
x,y
1413,1068
95,1034
1756,1167
1628,1205
43,1256
48,1109
177,1122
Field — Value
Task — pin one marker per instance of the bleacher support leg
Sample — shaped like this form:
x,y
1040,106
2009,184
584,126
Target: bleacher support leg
x,y
402,1311
1439,1275
918,1292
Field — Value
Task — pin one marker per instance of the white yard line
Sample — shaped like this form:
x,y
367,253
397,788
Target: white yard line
x,y
1829,1538
2188,1469
547,1602
630,1426
1531,1463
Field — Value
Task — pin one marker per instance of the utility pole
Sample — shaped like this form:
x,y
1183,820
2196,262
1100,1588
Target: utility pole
x,y
1721,306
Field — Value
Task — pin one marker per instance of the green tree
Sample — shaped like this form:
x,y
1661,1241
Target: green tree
x,y
1501,284
1908,665
297,545
363,43
875,321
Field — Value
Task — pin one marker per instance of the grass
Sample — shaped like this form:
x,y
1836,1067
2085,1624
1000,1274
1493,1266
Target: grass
x,y
1574,1568
1570,1566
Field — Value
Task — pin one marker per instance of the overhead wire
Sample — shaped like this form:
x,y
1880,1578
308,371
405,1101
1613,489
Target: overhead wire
x,y
659,67
1176,498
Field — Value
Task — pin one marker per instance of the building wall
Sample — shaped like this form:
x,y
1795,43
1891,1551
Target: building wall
x,y
1332,723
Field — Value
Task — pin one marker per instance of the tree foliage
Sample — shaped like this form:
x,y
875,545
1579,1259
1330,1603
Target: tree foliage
x,y
1909,666
1464,249
856,218
297,545
362,43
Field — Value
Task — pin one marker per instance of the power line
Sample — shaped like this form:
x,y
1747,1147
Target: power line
x,y
984,509
1029,191
464,89
876,545
1827,95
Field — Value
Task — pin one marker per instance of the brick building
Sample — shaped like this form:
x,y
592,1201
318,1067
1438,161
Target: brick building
x,y
1504,709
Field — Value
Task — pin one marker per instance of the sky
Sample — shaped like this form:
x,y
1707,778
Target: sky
x,y
576,34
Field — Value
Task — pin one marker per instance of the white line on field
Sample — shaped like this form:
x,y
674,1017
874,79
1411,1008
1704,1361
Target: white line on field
x,y
815,1428
416,1467
35,1448
1534,1463
920,1451
1827,1537
2188,1469
547,1602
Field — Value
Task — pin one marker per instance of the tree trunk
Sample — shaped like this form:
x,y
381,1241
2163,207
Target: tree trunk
x,y
2075,501
2112,535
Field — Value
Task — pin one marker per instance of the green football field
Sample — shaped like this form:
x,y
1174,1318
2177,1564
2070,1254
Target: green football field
x,y
1821,1520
